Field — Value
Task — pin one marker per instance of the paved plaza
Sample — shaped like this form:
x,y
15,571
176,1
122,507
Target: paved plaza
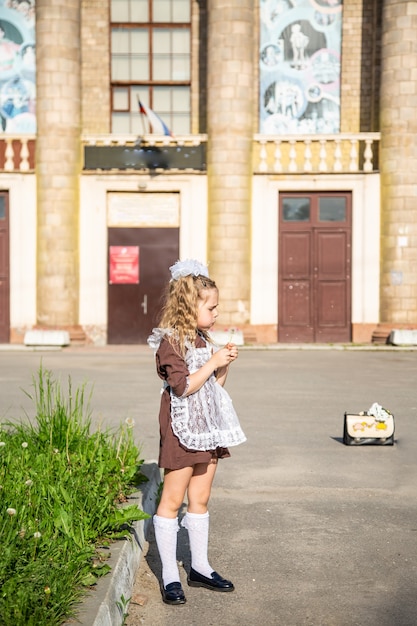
x,y
312,533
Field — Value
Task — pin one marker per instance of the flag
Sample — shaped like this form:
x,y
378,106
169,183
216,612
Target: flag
x,y
158,126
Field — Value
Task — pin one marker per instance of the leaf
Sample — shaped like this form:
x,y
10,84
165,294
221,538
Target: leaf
x,y
65,494
129,513
101,569
62,521
88,580
121,534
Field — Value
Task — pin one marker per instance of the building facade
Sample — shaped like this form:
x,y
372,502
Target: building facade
x,y
290,168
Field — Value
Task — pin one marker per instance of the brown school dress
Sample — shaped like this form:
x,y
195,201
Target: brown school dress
x,y
172,368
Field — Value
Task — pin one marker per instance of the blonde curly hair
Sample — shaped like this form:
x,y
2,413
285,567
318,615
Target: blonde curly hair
x,y
180,309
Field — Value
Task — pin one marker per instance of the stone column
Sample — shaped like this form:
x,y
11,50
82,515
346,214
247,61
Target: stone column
x,y
231,112
398,164
58,160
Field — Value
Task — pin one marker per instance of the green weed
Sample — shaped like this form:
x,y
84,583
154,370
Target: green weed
x,y
61,487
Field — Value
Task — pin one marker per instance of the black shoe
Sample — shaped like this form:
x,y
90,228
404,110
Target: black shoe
x,y
173,594
216,582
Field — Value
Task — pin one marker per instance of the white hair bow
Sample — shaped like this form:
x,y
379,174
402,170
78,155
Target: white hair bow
x,y
189,267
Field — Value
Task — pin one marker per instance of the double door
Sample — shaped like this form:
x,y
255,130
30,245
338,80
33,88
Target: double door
x,y
314,291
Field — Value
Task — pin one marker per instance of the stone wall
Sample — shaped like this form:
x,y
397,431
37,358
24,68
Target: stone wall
x,y
95,66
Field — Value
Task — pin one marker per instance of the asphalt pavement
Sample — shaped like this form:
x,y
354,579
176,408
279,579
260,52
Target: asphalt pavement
x,y
312,532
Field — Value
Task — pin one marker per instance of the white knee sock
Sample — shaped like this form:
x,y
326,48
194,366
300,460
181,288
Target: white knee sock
x,y
166,530
198,528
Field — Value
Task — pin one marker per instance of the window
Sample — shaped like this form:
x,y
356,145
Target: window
x,y
332,209
296,209
150,63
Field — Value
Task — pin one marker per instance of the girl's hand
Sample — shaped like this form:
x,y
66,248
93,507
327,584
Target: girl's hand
x,y
228,354
225,356
233,350
217,364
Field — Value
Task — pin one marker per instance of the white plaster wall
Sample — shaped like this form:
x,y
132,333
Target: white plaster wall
x,y
264,271
93,229
365,241
366,250
22,242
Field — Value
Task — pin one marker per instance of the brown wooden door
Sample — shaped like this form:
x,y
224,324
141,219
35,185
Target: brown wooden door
x,y
4,269
314,291
134,305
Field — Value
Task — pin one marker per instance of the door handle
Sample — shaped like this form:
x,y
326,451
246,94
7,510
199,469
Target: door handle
x,y
144,304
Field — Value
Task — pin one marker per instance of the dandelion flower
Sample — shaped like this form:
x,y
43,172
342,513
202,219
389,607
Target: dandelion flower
x,y
2,444
37,535
11,511
25,444
29,483
47,590
130,422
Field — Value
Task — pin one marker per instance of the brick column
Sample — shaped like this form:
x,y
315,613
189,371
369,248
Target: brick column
x,y
58,160
231,111
398,301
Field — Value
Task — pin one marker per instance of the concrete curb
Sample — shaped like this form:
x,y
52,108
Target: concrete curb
x,y
348,347
106,604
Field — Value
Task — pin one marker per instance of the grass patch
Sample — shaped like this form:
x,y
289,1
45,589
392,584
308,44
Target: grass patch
x,y
61,487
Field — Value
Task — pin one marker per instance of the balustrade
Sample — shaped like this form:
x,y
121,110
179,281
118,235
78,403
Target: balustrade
x,y
17,154
290,154
295,154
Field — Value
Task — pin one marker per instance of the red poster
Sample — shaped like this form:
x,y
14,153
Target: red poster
x,y
124,265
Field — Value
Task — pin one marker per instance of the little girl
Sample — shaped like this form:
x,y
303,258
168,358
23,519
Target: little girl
x,y
197,422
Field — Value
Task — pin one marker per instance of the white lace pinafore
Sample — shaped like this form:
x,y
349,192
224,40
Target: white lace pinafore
x,y
206,419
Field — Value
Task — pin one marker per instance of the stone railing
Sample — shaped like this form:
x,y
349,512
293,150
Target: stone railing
x,y
145,140
289,154
295,154
17,154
